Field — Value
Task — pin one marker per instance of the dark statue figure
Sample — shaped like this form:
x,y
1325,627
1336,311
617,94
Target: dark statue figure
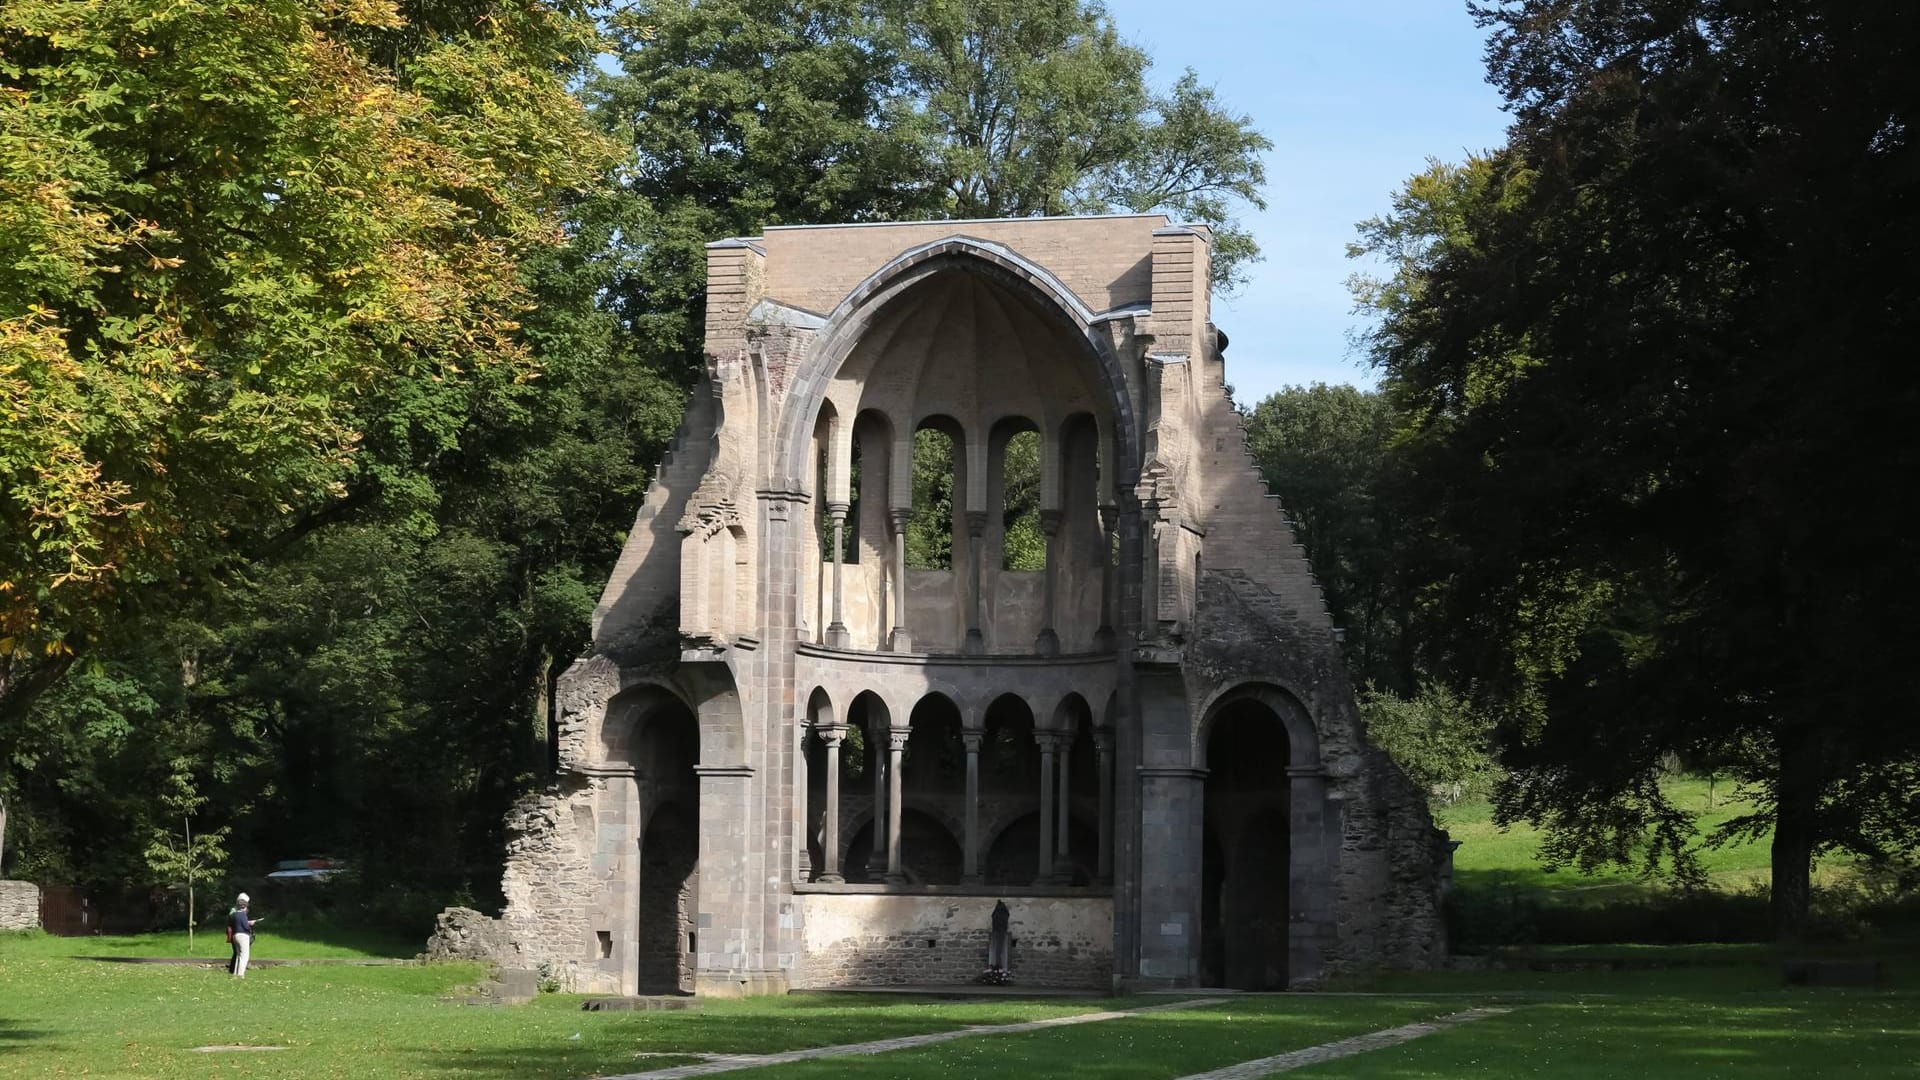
x,y
997,944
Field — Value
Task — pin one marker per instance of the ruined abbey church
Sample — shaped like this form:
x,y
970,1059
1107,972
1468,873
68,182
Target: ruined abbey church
x,y
803,751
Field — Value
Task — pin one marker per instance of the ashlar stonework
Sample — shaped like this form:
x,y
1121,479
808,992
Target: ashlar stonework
x,y
791,759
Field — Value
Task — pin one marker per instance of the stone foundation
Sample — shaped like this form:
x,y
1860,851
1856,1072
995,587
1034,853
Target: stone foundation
x,y
19,905
883,940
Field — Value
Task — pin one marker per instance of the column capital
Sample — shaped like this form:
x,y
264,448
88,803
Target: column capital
x,y
1050,521
838,510
831,734
972,739
897,518
977,523
1048,739
897,738
1103,739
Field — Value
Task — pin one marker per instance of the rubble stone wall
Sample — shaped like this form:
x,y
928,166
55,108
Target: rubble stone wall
x,y
19,905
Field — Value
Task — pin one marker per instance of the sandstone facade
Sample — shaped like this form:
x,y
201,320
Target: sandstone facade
x,y
790,759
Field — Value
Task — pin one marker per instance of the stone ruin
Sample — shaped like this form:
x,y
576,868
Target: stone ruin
x,y
794,758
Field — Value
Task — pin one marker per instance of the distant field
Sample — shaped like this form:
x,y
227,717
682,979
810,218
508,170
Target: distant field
x,y
1490,857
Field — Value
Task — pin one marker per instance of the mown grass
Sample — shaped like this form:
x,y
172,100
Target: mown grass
x,y
1724,1014
273,941
1696,1036
1491,858
61,1015
1151,1046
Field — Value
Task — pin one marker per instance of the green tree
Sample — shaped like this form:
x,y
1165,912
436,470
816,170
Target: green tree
x,y
257,263
1445,748
1327,452
185,858
1042,108
1652,353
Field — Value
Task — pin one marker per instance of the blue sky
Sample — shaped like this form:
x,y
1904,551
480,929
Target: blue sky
x,y
1355,96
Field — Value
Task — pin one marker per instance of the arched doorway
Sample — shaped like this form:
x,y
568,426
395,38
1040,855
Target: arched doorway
x,y
665,748
1245,858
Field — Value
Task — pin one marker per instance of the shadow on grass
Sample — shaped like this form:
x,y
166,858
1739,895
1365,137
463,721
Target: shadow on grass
x,y
14,1036
544,1063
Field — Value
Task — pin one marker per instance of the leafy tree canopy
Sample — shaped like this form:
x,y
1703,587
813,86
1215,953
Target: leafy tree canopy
x,y
1653,355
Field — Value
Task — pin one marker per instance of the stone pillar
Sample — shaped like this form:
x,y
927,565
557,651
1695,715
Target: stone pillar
x,y
1315,825
1049,741
970,849
1172,805
1047,643
1103,746
976,531
1062,863
896,742
727,964
833,735
837,635
901,641
877,764
802,786
1103,638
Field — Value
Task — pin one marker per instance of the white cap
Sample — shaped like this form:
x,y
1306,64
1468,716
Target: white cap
x,y
243,898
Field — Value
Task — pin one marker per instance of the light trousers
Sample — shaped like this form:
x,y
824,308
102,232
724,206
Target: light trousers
x,y
243,942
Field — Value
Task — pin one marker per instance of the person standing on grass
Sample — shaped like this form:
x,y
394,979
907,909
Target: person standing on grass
x,y
240,925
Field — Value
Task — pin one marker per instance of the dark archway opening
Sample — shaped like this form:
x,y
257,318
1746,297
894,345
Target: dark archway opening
x,y
666,746
1245,856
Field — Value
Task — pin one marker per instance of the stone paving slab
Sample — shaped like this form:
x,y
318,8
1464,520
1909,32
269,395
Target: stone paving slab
x,y
1359,1044
731,1063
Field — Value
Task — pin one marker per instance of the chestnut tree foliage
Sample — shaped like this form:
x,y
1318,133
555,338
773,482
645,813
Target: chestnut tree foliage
x,y
338,340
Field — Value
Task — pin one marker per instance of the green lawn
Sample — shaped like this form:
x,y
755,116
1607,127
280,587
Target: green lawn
x,y
292,941
1724,1015
1493,858
1150,1047
61,1015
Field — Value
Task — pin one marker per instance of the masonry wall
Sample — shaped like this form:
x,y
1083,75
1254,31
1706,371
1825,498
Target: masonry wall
x,y
19,905
1104,260
879,940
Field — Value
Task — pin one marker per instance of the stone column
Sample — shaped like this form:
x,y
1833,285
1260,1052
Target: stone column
x,y
896,742
802,787
727,964
837,635
1103,746
1172,808
877,764
970,850
1048,642
1049,741
1315,826
901,641
1062,863
976,531
1103,638
833,735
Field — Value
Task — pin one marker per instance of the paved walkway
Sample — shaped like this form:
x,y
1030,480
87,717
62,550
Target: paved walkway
x,y
731,1062
1359,1044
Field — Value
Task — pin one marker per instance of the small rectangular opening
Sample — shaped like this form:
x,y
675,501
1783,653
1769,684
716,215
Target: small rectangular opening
x,y
606,943
693,942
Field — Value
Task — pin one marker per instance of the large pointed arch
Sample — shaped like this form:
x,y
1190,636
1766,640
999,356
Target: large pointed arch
x,y
849,323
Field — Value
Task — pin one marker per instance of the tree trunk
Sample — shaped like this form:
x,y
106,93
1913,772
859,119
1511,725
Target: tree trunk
x,y
3,836
1794,829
